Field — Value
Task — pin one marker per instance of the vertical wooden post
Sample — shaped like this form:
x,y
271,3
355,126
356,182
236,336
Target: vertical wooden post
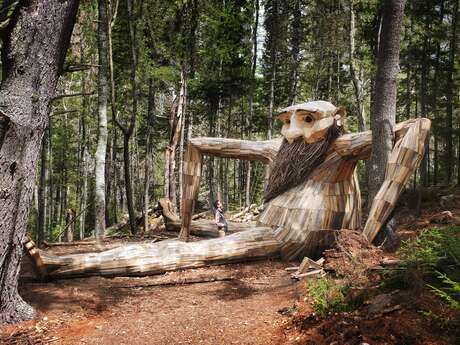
x,y
191,182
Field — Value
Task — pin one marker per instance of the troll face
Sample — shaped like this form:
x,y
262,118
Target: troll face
x,y
310,121
308,130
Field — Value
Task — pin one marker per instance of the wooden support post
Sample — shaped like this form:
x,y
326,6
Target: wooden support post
x,y
191,183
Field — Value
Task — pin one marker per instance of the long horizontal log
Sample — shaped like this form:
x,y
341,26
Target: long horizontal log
x,y
169,255
207,228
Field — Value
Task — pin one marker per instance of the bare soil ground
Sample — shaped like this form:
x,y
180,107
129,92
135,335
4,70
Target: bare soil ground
x,y
410,316
125,310
257,303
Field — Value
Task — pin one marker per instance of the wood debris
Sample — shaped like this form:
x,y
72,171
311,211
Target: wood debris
x,y
308,268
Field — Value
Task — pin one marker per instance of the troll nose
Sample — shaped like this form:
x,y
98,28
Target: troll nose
x,y
292,134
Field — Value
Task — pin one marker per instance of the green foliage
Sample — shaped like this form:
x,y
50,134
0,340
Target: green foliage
x,y
432,249
450,292
432,258
328,296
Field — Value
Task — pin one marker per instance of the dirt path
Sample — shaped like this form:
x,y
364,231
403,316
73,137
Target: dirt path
x,y
124,311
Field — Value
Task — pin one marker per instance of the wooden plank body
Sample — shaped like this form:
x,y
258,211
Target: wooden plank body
x,y
305,216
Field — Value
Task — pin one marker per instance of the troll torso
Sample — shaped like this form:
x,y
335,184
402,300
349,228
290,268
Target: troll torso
x,y
329,199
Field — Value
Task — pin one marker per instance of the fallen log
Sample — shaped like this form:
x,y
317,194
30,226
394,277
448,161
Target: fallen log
x,y
201,215
207,228
168,255
200,227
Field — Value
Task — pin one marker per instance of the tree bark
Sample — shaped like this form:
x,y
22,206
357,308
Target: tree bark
x,y
148,155
384,110
295,43
33,49
356,79
250,118
42,195
103,92
450,92
182,109
129,130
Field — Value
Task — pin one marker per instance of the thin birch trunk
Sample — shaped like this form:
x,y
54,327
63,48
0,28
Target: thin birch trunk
x,y
183,95
103,92
357,80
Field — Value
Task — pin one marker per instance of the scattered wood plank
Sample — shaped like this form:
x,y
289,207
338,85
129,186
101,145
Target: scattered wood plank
x,y
308,264
289,269
309,274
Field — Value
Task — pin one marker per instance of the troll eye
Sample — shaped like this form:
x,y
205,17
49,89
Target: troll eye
x,y
308,119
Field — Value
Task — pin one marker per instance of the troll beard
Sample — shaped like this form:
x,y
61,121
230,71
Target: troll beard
x,y
295,162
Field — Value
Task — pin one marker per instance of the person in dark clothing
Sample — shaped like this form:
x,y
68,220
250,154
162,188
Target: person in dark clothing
x,y
219,218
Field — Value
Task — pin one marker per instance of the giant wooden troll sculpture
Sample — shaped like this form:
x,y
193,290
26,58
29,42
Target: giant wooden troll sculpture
x,y
312,192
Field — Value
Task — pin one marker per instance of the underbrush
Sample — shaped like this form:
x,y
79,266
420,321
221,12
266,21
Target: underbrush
x,y
432,261
327,296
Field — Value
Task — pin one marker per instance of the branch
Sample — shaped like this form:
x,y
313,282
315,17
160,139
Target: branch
x,y
77,68
78,94
62,112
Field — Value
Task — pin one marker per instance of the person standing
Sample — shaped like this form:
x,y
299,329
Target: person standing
x,y
219,218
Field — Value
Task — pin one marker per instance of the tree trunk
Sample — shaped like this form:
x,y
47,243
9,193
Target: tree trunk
x,y
357,80
384,110
84,166
182,109
128,185
103,92
51,182
250,118
176,118
295,43
434,105
148,155
115,168
450,92
84,193
42,195
69,225
24,117
129,130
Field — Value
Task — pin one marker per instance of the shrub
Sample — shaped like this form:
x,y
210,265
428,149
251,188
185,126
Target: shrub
x,y
327,296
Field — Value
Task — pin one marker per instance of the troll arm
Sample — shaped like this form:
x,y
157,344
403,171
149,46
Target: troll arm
x,y
404,159
359,145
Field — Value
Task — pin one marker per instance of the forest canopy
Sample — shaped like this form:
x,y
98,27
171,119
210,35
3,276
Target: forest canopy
x,y
181,69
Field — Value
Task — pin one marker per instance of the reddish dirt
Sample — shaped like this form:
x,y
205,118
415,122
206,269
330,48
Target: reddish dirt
x,y
243,310
413,316
400,322
124,310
